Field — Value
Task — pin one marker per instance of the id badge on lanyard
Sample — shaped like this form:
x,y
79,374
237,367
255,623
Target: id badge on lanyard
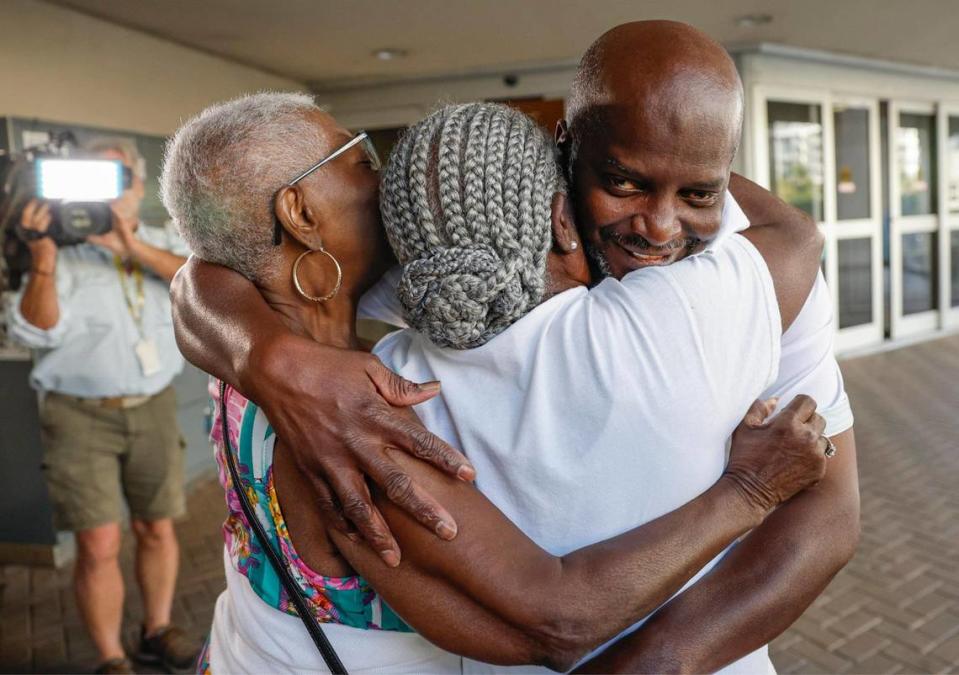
x,y
148,355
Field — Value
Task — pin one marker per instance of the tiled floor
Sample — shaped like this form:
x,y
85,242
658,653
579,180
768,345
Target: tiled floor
x,y
40,630
894,609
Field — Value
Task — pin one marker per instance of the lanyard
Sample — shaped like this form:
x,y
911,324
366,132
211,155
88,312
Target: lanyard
x,y
135,304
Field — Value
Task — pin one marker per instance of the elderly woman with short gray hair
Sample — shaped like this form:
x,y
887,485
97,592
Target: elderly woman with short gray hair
x,y
474,209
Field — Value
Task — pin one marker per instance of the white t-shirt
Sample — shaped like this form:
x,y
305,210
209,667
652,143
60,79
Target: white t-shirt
x,y
601,410
807,363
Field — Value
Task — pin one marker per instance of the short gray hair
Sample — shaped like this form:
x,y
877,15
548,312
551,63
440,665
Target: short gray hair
x,y
221,172
127,147
466,200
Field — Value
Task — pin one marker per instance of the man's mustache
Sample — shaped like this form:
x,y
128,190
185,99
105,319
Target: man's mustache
x,y
638,241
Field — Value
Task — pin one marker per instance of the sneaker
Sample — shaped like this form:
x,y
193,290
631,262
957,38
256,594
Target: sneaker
x,y
169,647
116,667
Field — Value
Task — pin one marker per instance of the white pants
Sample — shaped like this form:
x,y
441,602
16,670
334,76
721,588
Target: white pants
x,y
249,636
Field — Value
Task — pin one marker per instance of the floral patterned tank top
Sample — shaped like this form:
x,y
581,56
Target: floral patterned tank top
x,y
346,600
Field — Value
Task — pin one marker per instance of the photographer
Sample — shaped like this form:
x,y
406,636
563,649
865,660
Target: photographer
x,y
99,314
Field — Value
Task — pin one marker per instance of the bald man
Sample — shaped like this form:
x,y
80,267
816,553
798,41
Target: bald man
x,y
652,128
652,125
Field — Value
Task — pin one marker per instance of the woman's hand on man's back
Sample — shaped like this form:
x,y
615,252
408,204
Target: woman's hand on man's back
x,y
773,458
337,410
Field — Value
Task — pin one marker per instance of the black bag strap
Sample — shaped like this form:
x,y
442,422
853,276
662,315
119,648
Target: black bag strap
x,y
289,584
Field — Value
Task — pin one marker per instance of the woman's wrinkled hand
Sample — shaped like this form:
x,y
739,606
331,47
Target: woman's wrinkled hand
x,y
338,416
773,458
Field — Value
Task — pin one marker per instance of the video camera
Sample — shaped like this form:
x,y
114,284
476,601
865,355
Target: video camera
x,y
78,190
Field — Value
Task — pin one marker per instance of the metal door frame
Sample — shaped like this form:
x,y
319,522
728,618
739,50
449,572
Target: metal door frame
x,y
948,222
902,326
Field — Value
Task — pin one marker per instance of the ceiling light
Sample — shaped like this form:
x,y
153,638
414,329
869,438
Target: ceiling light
x,y
752,20
389,53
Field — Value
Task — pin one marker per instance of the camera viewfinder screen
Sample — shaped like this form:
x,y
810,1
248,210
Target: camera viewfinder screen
x,y
79,180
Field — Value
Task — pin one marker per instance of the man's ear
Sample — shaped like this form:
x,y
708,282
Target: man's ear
x,y
296,217
563,141
565,236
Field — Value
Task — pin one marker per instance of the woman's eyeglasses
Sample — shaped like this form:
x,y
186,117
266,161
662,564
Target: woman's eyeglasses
x,y
362,139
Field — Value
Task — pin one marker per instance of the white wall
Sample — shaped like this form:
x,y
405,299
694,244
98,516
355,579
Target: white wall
x,y
391,105
60,65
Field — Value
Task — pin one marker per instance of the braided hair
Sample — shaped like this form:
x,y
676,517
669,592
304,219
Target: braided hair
x,y
466,199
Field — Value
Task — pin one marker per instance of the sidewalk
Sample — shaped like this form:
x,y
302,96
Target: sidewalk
x,y
894,609
40,630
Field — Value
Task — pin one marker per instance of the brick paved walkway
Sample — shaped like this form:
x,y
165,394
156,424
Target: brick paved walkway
x,y
40,630
894,609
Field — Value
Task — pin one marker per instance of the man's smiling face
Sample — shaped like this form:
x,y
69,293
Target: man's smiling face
x,y
654,122
647,192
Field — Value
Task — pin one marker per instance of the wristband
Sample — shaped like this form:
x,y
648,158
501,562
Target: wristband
x,y
41,272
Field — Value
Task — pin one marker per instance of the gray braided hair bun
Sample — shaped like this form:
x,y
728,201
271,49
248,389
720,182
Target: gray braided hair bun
x,y
466,200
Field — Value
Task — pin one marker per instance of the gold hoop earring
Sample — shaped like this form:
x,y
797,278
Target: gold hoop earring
x,y
296,280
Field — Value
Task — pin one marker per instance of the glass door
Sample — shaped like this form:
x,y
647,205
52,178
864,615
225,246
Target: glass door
x,y
800,140
795,164
914,226
854,233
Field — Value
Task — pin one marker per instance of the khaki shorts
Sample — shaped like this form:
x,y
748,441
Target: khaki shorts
x,y
94,457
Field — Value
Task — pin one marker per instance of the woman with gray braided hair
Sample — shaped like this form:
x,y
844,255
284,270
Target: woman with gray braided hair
x,y
490,267
467,204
